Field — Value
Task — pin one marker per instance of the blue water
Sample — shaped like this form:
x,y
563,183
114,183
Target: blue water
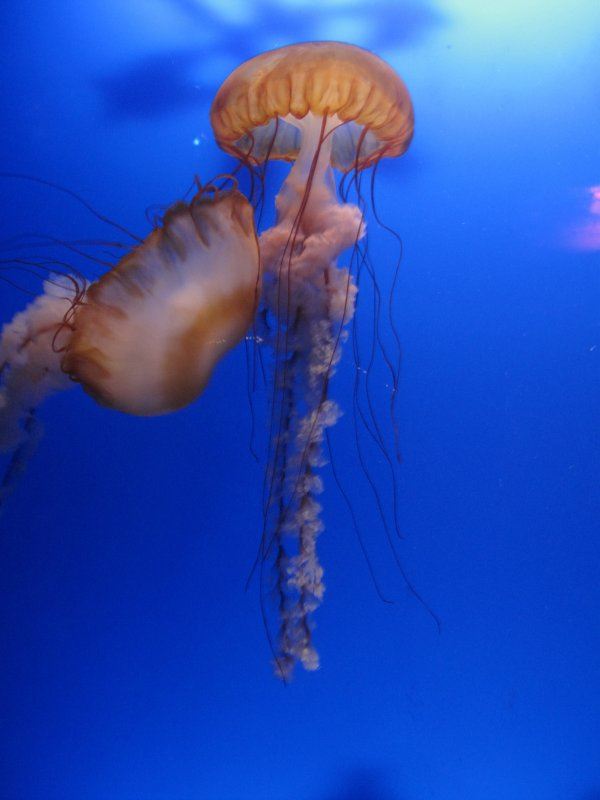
x,y
134,664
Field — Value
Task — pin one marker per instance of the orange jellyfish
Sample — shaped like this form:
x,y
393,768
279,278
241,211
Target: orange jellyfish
x,y
146,336
325,106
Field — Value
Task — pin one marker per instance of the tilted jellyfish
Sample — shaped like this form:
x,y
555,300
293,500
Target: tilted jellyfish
x,y
324,106
146,336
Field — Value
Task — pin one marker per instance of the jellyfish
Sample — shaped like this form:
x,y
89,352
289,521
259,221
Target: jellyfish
x,y
145,337
327,107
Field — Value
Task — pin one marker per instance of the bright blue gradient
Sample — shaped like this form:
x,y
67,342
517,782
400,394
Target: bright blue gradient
x,y
134,665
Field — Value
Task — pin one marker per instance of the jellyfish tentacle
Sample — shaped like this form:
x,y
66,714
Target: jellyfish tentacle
x,y
369,419
351,510
70,193
31,370
390,304
374,427
31,434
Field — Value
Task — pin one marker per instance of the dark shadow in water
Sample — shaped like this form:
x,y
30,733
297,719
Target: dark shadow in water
x,y
363,783
163,83
593,794
156,85
389,23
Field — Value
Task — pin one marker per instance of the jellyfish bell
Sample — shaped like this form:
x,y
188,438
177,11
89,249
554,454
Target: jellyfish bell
x,y
149,333
324,106
321,105
272,104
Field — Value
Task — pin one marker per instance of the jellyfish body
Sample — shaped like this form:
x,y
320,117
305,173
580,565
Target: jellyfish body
x,y
324,106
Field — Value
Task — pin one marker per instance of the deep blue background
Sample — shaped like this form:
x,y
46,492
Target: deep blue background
x,y
133,663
